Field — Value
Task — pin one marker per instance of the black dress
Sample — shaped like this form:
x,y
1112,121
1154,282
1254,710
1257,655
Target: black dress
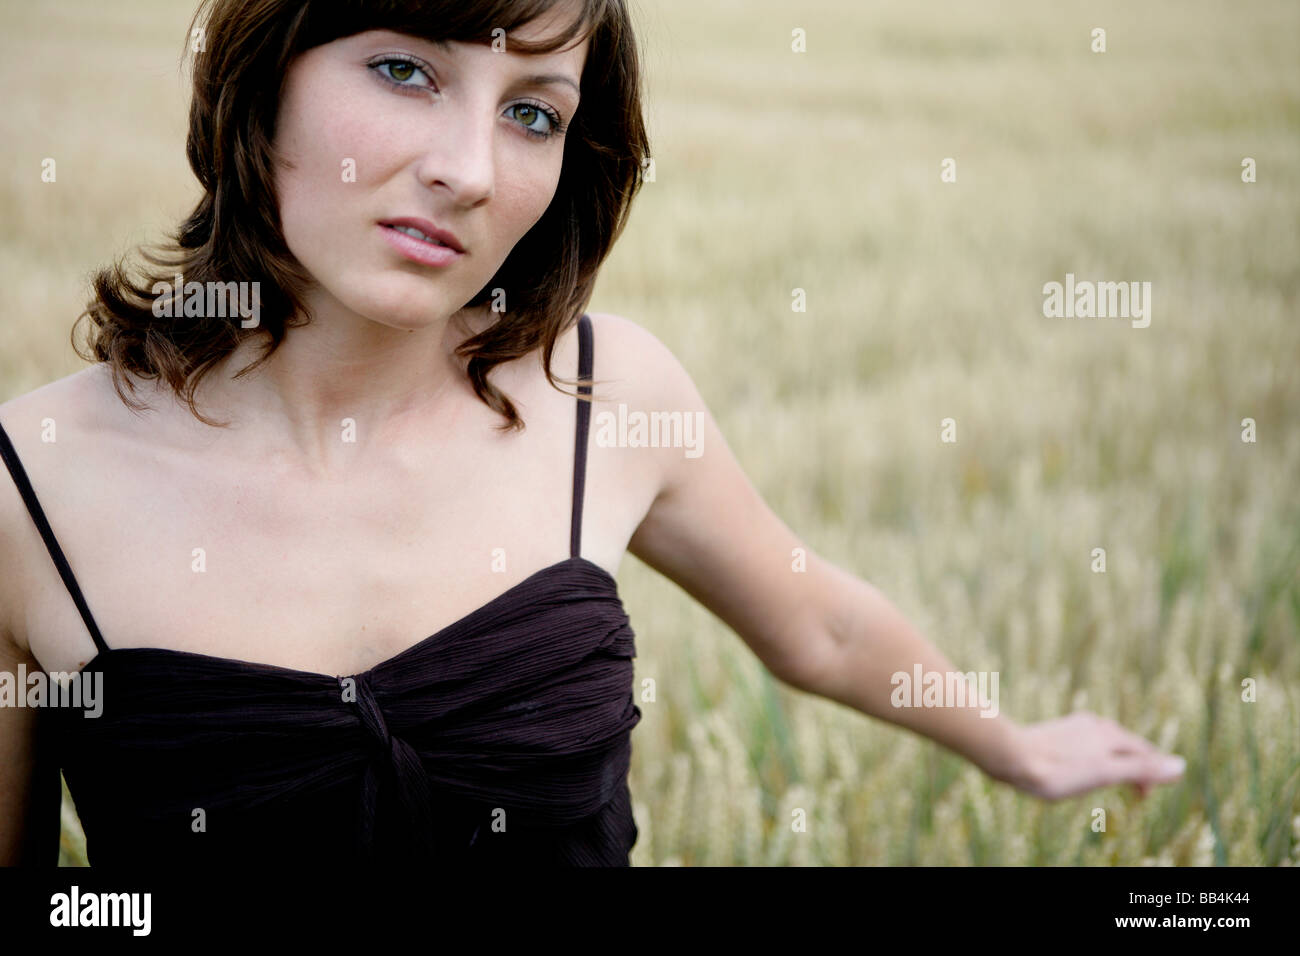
x,y
503,739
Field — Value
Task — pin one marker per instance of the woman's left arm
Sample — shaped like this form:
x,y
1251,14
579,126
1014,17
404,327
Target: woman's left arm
x,y
822,630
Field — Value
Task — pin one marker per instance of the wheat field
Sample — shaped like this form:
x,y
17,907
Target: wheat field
x,y
822,170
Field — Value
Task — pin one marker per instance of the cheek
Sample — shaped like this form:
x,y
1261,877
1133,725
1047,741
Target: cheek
x,y
523,195
334,146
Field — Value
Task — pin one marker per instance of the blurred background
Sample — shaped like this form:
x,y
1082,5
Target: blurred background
x,y
820,170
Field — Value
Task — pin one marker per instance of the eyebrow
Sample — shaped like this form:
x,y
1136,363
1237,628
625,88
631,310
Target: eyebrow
x,y
544,79
549,79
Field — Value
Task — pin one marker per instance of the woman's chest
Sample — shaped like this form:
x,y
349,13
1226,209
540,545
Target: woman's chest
x,y
329,577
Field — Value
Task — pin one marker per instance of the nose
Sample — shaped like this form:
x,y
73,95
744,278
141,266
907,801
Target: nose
x,y
460,155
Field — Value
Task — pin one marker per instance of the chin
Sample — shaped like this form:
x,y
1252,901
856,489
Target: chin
x,y
400,306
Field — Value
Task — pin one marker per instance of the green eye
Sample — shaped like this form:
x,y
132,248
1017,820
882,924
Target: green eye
x,y
529,113
402,72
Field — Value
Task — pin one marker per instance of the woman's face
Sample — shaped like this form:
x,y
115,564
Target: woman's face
x,y
381,126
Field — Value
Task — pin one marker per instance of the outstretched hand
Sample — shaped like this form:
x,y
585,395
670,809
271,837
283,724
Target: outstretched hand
x,y
1082,751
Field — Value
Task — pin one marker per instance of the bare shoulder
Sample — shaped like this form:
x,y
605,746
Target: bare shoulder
x,y
632,365
73,401
645,420
31,420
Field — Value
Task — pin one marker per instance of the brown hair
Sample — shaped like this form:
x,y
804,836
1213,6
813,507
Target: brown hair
x,y
245,51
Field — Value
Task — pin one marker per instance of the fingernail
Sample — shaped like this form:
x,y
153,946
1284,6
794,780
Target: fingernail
x,y
1175,765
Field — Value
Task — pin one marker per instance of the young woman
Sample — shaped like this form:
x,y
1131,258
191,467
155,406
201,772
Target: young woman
x,y
306,515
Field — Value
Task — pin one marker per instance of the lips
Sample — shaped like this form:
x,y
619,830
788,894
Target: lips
x,y
424,231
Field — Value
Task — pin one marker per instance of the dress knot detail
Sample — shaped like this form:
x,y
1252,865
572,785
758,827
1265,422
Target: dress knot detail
x,y
393,763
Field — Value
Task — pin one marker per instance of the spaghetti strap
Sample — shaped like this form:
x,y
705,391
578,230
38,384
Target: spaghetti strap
x,y
580,442
10,455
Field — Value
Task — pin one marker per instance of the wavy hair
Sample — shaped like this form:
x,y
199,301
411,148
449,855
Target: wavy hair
x,y
242,50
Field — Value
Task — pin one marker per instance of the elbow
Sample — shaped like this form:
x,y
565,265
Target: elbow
x,y
810,663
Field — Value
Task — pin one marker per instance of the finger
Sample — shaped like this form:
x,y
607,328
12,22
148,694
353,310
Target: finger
x,y
1134,769
1124,741
1151,768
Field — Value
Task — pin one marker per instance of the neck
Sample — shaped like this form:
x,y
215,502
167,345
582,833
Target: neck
x,y
332,391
